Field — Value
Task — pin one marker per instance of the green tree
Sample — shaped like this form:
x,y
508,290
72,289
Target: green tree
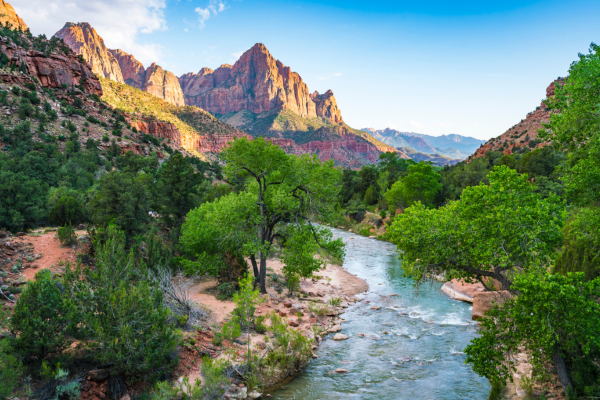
x,y
22,201
67,211
119,314
421,184
40,319
281,191
493,231
556,318
176,190
123,198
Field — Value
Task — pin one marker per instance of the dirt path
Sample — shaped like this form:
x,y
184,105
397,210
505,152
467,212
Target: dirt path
x,y
52,255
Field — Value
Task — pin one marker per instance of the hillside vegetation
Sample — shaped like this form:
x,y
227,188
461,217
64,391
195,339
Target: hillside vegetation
x,y
191,121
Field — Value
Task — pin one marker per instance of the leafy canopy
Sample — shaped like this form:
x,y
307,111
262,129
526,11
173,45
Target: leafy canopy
x,y
492,231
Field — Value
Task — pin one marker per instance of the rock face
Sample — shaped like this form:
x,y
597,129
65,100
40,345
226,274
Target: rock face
x,y
8,15
257,83
163,84
132,70
120,66
51,71
84,40
159,129
326,106
524,133
483,301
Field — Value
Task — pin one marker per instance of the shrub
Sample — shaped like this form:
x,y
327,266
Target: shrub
x,y
40,319
121,314
67,210
71,127
25,111
66,235
225,291
105,139
11,368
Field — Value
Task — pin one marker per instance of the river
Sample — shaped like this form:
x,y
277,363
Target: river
x,y
420,357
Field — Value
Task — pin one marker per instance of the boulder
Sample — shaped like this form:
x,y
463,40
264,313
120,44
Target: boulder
x,y
98,375
483,301
461,291
341,371
340,336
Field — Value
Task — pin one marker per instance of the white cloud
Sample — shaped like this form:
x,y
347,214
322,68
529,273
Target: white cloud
x,y
237,54
338,74
118,22
417,124
216,6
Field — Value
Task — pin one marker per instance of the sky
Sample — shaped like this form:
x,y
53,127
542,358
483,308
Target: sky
x,y
473,68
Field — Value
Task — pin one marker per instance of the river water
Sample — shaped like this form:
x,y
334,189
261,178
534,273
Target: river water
x,y
420,357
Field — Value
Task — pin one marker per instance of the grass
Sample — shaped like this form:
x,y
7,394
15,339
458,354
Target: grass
x,y
191,121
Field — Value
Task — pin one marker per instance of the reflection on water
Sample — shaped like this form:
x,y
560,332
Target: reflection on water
x,y
421,355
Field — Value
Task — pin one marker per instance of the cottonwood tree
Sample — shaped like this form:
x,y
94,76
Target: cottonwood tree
x,y
493,231
282,197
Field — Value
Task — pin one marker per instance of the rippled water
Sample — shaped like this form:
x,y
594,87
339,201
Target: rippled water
x,y
420,357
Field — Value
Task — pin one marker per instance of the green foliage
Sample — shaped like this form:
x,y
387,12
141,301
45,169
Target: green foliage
x,y
120,315
122,199
421,184
581,250
22,200
40,319
66,235
176,189
281,191
246,300
553,313
11,368
67,211
370,196
225,291
465,237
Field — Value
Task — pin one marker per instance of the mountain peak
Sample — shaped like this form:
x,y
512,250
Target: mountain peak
x,y
257,82
9,15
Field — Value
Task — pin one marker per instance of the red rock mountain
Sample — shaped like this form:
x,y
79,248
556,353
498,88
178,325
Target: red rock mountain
x,y
257,82
524,133
84,40
8,15
51,71
120,66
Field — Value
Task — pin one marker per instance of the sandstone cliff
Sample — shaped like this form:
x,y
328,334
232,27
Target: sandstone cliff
x,y
84,40
8,15
163,84
524,133
119,66
132,70
52,70
257,82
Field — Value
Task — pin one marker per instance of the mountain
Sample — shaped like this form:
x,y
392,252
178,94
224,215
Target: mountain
x,y
119,66
8,15
257,82
523,133
257,94
454,146
84,40
436,159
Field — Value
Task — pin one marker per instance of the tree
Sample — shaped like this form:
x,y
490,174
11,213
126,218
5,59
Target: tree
x,y
40,319
281,191
421,184
493,231
123,199
22,201
553,316
176,190
119,313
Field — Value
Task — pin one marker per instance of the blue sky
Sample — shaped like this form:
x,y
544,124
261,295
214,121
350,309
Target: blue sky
x,y
437,67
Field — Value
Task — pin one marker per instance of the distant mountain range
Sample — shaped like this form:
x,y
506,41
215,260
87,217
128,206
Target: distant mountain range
x,y
452,146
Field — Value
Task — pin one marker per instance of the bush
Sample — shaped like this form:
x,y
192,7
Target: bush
x,y
11,368
66,235
67,210
121,314
225,291
40,319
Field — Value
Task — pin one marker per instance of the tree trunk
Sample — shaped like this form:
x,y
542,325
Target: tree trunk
x,y
255,270
561,368
263,273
